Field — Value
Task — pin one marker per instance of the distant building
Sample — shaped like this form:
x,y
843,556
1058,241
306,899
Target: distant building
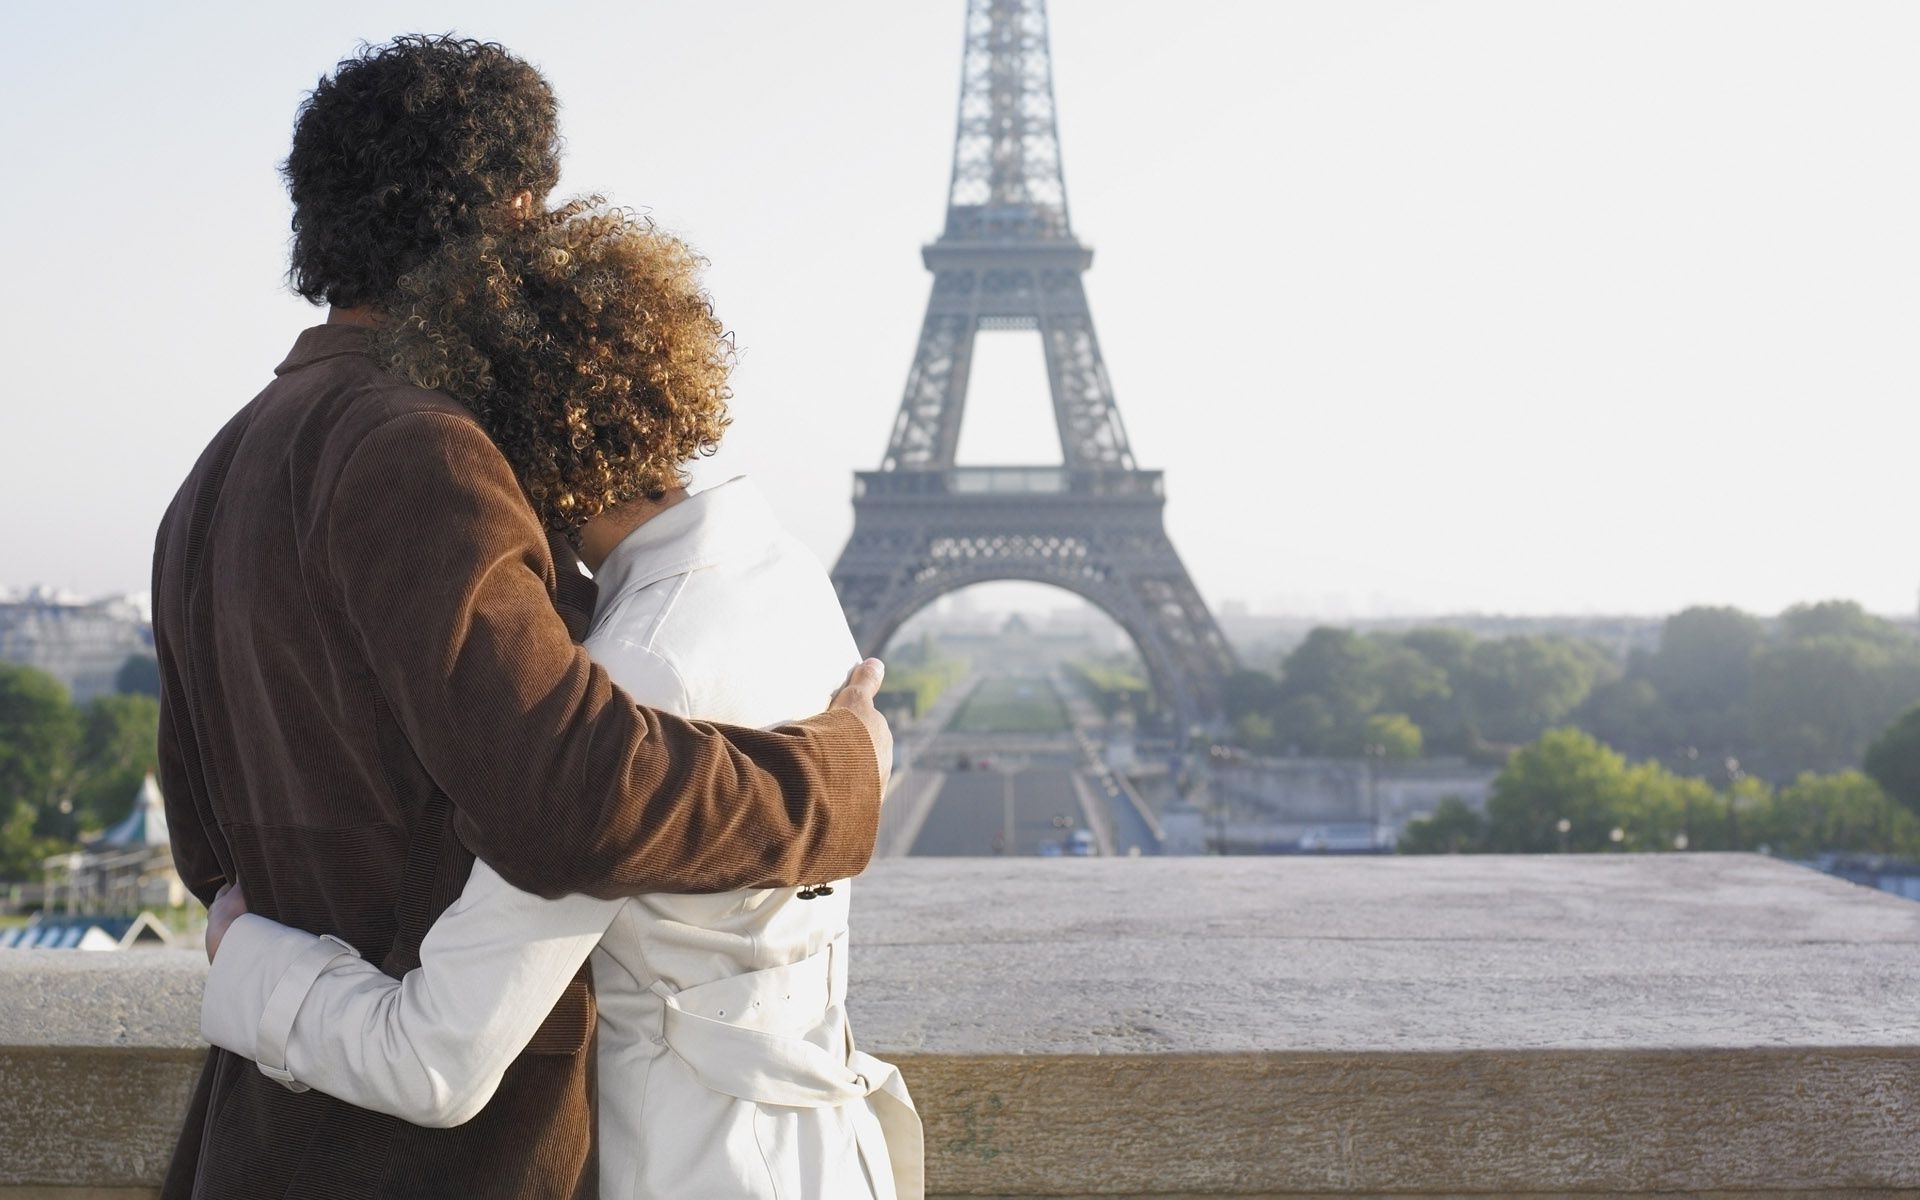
x,y
1021,644
145,824
82,643
126,869
1318,805
88,933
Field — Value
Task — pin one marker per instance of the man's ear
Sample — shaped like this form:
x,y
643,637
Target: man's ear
x,y
521,204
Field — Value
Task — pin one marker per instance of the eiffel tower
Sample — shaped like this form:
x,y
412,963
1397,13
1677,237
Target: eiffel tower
x,y
1008,259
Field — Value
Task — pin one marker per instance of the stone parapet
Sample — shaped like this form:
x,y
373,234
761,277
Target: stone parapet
x,y
1490,1025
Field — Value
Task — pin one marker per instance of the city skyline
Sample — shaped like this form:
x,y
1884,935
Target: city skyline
x,y
1644,327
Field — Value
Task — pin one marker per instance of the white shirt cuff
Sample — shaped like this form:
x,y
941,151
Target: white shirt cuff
x,y
254,989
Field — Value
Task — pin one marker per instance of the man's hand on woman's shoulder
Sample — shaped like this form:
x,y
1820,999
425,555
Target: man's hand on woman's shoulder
x,y
857,696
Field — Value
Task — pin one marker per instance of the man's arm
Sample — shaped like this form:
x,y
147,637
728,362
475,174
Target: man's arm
x,y
193,854
430,1048
557,779
194,857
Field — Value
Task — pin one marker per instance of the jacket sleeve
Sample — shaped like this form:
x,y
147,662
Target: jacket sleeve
x,y
188,837
557,779
192,846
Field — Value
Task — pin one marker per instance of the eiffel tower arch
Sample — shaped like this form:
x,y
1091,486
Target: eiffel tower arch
x,y
1008,259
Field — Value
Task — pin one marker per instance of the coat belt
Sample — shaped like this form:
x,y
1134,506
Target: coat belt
x,y
706,1026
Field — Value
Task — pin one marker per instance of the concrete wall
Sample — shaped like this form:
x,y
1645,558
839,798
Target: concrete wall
x,y
1341,789
1265,805
1600,1025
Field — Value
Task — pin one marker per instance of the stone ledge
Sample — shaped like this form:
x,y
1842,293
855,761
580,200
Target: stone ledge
x,y
1549,1025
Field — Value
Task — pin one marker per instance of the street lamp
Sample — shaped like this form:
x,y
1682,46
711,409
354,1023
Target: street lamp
x,y
1686,801
1734,775
1376,756
1008,766
1565,827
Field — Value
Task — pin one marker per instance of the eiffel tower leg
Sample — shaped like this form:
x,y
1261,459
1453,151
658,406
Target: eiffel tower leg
x,y
1091,432
927,431
1194,650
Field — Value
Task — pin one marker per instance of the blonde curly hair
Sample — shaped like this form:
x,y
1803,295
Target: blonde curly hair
x,y
584,343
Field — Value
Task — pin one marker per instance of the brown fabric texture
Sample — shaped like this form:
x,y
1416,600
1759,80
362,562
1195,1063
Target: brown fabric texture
x,y
370,637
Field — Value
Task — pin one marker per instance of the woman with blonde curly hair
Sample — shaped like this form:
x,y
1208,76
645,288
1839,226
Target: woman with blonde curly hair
x,y
584,344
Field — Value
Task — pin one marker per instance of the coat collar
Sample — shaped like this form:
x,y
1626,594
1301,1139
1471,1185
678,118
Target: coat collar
x,y
324,341
724,522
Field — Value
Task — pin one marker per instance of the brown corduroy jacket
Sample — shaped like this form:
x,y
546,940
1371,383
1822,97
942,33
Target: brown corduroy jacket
x,y
369,675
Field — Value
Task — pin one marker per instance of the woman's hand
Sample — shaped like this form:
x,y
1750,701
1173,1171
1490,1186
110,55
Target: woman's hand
x,y
229,905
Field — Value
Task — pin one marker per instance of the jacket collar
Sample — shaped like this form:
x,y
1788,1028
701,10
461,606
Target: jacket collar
x,y
324,341
574,592
721,523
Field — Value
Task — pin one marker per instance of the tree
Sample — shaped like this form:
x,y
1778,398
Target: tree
x,y
1843,812
1453,828
1328,689
1705,660
1658,810
39,731
1414,686
1629,715
1517,687
1703,674
140,674
64,768
1305,724
1251,697
21,850
1441,712
118,746
1250,691
1447,649
1397,737
1839,618
1253,731
1819,700
1565,775
1893,760
1610,804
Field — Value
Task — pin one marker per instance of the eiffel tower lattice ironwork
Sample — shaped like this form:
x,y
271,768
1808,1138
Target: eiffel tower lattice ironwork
x,y
1008,259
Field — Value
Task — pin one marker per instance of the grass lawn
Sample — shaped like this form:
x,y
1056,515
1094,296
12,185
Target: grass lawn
x,y
1010,705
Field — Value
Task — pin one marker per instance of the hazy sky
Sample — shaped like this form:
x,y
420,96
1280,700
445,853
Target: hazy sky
x,y
1423,307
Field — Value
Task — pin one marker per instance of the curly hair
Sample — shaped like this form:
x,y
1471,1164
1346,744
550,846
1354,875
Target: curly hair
x,y
405,146
583,342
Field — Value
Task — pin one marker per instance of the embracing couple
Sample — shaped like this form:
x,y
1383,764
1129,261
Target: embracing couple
x,y
523,883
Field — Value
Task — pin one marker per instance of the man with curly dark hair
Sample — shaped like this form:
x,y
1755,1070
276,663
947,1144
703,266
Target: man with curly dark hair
x,y
414,143
369,671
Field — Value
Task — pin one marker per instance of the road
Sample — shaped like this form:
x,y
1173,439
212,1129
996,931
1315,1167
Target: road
x,y
1022,788
976,808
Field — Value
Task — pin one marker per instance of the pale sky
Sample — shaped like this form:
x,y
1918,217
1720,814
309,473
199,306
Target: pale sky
x,y
1423,307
